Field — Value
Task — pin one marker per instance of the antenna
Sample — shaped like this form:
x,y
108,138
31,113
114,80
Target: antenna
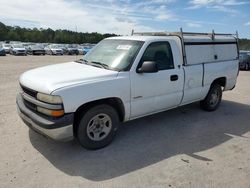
x,y
237,39
183,48
76,39
132,33
213,35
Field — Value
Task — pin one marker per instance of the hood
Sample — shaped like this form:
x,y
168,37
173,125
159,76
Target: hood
x,y
49,78
56,49
19,49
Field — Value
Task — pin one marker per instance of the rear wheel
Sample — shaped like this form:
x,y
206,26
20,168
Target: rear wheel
x,y
97,127
213,98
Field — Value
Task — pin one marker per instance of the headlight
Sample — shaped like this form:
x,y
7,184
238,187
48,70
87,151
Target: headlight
x,y
54,113
49,98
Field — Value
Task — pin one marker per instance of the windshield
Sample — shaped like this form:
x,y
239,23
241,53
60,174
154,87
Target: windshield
x,y
38,46
243,56
18,46
116,54
6,45
72,46
55,46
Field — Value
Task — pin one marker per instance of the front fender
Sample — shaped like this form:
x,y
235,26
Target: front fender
x,y
76,95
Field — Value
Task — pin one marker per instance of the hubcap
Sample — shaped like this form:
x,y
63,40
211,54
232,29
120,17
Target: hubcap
x,y
214,98
99,127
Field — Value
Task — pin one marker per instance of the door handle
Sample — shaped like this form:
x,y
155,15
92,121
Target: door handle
x,y
174,77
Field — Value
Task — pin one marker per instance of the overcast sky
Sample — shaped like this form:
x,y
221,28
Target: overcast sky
x,y
121,16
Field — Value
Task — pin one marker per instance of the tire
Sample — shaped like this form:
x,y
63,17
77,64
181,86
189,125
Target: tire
x,y
97,127
247,66
213,98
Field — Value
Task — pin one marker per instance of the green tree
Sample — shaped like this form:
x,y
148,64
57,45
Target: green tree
x,y
17,33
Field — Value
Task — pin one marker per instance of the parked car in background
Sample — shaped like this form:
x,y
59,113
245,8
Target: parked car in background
x,y
63,47
27,44
6,48
36,49
2,51
18,49
72,49
86,49
53,49
80,49
244,60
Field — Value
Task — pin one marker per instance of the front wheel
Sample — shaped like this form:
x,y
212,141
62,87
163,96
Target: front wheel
x,y
97,127
213,98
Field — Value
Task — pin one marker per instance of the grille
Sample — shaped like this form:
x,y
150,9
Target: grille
x,y
29,105
28,91
31,93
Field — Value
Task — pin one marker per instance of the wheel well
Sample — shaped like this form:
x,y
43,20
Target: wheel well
x,y
221,81
115,102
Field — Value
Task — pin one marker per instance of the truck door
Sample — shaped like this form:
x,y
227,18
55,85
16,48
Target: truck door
x,y
153,92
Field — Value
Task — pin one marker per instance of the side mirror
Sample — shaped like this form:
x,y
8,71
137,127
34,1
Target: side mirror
x,y
148,67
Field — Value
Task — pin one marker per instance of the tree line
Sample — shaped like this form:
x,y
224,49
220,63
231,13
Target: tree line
x,y
244,44
16,33
10,33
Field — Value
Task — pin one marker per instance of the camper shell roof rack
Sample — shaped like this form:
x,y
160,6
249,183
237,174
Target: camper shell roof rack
x,y
182,34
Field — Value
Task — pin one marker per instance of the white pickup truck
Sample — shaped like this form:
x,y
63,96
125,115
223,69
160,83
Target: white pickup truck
x,y
124,78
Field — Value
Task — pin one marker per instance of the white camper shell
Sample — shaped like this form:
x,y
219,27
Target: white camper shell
x,y
219,48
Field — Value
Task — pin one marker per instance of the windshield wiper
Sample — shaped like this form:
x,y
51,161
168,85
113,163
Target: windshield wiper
x,y
93,63
81,61
103,65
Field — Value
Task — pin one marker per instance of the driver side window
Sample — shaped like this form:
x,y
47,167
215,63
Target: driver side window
x,y
161,53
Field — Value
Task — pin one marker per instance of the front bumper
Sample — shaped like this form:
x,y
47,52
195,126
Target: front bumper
x,y
60,129
38,52
73,52
19,52
54,52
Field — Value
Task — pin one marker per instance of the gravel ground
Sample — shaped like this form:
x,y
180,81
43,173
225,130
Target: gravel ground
x,y
184,147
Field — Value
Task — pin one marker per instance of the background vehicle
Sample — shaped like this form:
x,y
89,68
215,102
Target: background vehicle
x,y
125,78
53,49
36,49
2,51
86,49
244,60
6,47
71,49
18,49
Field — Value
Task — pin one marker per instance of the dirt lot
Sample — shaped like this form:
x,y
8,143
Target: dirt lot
x,y
185,147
